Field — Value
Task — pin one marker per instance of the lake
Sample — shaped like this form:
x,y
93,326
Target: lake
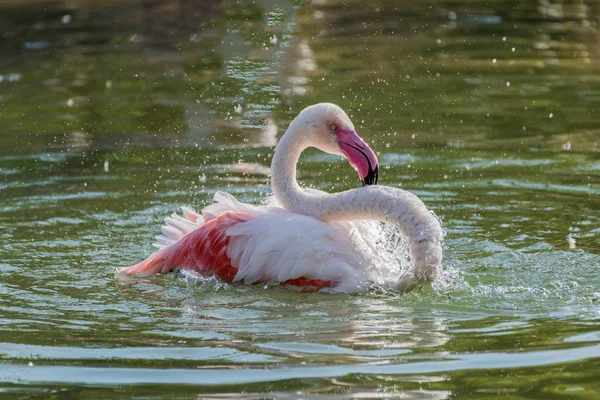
x,y
113,114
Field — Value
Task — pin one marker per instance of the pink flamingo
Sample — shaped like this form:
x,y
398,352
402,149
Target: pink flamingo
x,y
311,240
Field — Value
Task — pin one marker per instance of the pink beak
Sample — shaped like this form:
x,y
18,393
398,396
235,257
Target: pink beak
x,y
360,156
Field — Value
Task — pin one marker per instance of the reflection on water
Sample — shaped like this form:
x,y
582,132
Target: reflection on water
x,y
521,75
177,70
465,77
111,117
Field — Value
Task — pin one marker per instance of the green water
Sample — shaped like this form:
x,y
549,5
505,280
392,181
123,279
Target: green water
x,y
113,114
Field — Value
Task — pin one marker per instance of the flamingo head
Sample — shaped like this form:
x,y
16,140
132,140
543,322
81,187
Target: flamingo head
x,y
333,132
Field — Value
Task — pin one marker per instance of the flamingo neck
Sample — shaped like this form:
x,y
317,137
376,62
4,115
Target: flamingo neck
x,y
283,172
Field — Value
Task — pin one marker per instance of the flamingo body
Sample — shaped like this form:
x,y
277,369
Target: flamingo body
x,y
246,244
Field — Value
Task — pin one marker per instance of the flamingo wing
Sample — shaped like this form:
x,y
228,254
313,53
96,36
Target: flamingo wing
x,y
246,244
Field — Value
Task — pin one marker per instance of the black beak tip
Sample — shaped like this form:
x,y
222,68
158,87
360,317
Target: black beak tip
x,y
372,177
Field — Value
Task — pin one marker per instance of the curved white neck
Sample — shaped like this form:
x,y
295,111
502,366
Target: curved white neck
x,y
283,172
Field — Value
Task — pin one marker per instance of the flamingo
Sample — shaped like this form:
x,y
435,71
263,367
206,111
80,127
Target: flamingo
x,y
302,238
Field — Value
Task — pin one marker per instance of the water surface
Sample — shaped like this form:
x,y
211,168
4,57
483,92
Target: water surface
x,y
113,115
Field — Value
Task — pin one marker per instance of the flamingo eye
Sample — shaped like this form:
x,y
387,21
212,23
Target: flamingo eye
x,y
333,127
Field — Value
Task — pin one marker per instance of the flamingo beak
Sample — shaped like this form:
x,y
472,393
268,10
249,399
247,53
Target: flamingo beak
x,y
360,156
